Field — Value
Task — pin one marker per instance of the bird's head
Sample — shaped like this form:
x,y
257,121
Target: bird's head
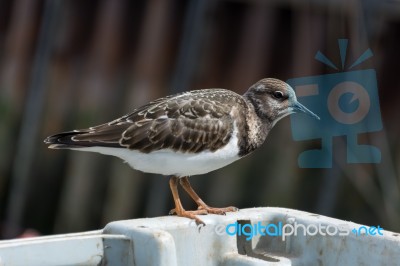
x,y
274,99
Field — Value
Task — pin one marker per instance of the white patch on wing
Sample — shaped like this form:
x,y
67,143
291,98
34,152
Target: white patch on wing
x,y
168,162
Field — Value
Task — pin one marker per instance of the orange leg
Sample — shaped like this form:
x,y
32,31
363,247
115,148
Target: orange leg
x,y
179,210
184,181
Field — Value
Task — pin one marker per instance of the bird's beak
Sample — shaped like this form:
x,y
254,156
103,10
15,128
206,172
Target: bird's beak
x,y
298,107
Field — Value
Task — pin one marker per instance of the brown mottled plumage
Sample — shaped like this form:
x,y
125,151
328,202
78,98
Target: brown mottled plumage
x,y
188,122
189,133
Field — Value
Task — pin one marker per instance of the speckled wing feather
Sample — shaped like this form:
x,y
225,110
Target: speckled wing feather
x,y
188,122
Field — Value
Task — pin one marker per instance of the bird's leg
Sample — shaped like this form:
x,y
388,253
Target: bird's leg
x,y
179,210
184,181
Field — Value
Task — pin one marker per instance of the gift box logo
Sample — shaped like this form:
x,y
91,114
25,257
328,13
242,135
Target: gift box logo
x,y
347,103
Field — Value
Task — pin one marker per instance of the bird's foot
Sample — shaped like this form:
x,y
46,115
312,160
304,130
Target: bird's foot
x,y
220,211
190,215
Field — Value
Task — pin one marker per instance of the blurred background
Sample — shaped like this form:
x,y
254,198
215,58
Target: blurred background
x,y
74,64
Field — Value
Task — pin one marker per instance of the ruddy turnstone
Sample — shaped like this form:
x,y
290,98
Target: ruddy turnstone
x,y
190,133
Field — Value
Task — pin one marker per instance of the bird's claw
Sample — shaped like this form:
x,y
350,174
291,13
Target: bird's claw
x,y
202,210
219,211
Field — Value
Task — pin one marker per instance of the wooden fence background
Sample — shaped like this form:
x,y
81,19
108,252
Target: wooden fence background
x,y
74,64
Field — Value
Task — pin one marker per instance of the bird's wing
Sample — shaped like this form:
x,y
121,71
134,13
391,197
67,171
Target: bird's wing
x,y
188,122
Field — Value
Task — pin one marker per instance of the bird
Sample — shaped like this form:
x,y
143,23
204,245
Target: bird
x,y
190,133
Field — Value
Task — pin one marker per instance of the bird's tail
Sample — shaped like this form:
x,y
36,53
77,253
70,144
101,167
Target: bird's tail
x,y
65,140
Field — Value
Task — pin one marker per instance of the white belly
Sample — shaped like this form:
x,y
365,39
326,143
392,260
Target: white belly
x,y
168,162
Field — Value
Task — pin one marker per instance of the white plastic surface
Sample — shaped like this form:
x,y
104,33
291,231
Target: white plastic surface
x,y
173,241
87,248
177,241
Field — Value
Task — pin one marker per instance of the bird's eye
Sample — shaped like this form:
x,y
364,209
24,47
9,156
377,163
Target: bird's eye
x,y
277,94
